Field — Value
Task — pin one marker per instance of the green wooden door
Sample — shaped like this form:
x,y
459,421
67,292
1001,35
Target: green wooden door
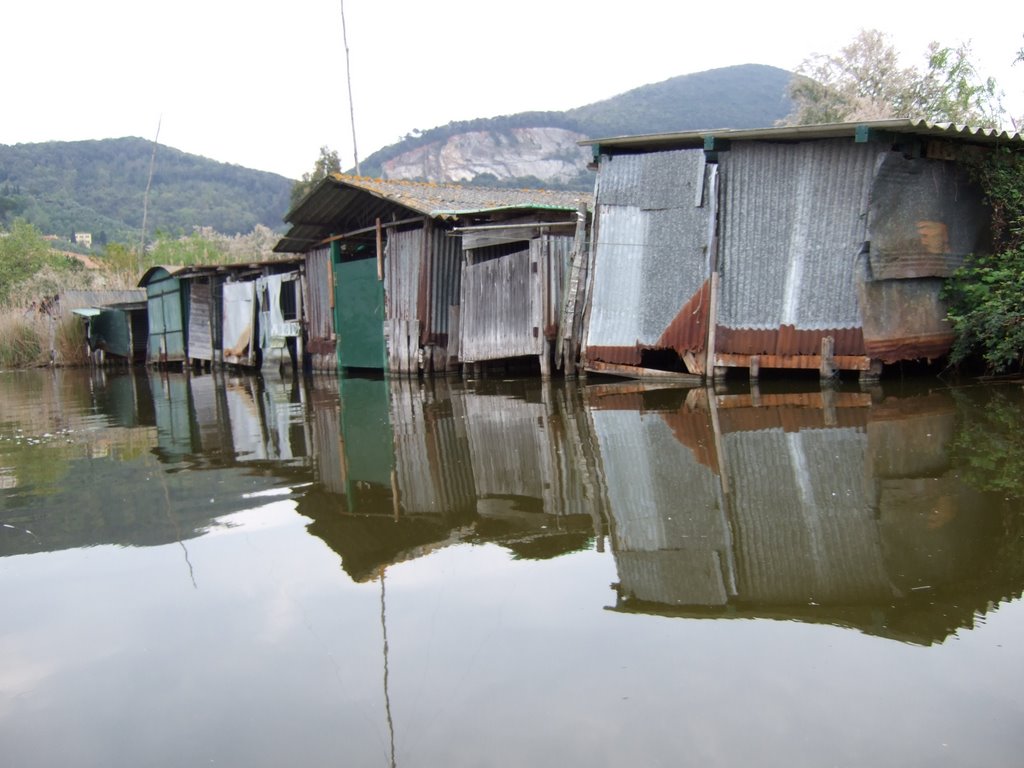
x,y
359,314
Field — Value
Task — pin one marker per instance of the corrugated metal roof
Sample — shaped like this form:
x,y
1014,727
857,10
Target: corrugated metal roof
x,y
211,269
342,203
72,300
692,139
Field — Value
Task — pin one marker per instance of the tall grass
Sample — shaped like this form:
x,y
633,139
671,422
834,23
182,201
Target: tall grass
x,y
25,340
22,340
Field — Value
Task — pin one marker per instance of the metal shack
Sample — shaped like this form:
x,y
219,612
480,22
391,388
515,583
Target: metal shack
x,y
385,269
248,314
820,247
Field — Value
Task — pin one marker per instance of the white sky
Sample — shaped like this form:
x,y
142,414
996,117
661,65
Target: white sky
x,y
262,84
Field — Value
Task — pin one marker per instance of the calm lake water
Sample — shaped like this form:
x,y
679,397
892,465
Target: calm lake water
x,y
240,571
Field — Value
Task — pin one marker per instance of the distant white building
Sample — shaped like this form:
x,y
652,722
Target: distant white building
x,y
83,238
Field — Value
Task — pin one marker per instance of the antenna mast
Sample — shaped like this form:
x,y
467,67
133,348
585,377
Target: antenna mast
x,y
348,76
149,183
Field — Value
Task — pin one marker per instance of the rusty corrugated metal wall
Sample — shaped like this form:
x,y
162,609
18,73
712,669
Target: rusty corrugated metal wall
x,y
650,255
793,225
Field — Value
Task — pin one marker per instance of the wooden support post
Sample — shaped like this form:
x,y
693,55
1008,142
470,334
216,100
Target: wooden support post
x,y
828,364
545,360
709,364
755,367
872,374
380,252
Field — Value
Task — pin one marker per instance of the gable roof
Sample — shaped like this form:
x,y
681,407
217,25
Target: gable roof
x,y
340,204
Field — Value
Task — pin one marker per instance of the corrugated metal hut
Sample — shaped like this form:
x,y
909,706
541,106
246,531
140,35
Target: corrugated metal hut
x,y
116,325
385,264
821,247
241,314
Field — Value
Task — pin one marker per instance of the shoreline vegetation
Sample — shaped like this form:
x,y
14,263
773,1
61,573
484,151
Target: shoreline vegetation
x,y
33,270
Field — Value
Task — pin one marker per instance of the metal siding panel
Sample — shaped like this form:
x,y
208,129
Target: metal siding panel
x,y
793,225
200,313
496,319
446,280
651,254
404,257
319,312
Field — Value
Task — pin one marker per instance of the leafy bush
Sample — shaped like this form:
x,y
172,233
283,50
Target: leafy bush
x,y
985,297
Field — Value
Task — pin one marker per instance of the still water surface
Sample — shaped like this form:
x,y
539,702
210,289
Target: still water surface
x,y
250,572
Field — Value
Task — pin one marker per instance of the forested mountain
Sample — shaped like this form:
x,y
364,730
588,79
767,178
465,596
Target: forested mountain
x,y
99,186
536,146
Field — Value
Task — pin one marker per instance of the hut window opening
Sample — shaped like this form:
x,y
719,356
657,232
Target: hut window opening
x,y
288,301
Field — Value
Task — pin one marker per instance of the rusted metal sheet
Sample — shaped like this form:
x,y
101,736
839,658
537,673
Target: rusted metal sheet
x,y
905,320
926,216
787,341
797,362
689,329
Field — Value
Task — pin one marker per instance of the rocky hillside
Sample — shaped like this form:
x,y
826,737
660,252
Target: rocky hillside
x,y
541,148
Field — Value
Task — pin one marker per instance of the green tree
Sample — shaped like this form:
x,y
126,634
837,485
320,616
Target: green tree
x,y
864,81
986,296
23,252
325,165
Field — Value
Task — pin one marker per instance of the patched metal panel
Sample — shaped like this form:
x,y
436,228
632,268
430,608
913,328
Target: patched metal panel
x,y
651,248
926,216
498,318
793,225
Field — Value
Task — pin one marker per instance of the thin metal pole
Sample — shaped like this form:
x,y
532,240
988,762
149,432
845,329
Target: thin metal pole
x,y
348,76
